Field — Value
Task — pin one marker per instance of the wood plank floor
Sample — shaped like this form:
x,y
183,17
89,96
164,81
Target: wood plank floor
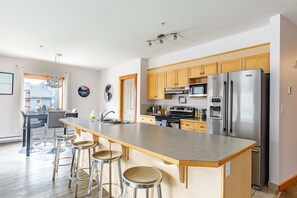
x,y
22,176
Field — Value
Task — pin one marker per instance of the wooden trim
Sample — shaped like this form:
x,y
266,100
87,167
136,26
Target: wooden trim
x,y
287,183
160,156
223,53
38,76
122,78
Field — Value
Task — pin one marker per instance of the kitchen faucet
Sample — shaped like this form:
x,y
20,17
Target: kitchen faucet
x,y
103,116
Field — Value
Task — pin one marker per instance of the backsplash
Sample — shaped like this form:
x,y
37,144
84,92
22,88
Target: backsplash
x,y
193,102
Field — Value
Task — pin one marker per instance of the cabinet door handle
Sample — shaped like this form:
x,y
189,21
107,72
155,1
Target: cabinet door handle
x,y
187,125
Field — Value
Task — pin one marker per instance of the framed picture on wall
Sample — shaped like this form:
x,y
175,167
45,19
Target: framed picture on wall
x,y
6,83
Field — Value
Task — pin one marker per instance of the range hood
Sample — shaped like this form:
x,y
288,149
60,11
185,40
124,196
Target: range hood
x,y
176,90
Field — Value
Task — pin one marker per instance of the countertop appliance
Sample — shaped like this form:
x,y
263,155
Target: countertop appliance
x,y
238,107
198,90
175,114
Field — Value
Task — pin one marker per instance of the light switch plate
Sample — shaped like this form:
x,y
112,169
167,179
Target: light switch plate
x,y
228,169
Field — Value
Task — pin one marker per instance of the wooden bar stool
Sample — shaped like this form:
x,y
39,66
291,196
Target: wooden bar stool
x,y
60,139
74,171
142,177
101,158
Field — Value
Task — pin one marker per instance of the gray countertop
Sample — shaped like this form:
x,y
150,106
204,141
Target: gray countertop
x,y
172,145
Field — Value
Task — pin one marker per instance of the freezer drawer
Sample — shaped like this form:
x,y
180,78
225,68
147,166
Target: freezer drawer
x,y
256,168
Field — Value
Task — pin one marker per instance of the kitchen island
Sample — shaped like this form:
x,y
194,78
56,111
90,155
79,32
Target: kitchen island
x,y
192,164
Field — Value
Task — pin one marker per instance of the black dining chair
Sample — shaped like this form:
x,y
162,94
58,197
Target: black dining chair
x,y
34,125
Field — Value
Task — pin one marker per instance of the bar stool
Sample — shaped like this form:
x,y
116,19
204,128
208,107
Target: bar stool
x,y
60,139
104,157
142,177
54,123
74,171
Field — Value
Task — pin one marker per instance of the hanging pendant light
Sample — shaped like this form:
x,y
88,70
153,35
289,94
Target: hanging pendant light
x,y
55,81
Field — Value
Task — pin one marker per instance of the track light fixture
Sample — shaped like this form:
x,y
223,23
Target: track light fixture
x,y
161,38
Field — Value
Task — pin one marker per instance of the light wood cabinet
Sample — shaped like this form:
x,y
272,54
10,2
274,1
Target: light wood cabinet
x,y
187,125
230,65
193,125
156,86
199,126
151,86
258,61
147,119
203,70
177,78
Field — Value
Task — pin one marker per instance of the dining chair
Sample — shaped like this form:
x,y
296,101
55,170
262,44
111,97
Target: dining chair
x,y
34,125
54,123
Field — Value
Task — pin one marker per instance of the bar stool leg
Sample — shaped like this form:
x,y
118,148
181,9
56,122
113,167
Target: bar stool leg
x,y
72,166
124,191
91,178
110,187
56,162
159,191
147,193
134,192
77,172
100,183
90,164
120,175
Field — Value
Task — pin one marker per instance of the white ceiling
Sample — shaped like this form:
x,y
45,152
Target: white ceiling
x,y
103,33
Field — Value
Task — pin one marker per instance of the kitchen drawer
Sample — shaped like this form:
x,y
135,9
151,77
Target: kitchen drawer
x,y
200,127
187,125
147,119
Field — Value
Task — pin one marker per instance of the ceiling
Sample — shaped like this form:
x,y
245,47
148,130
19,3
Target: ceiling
x,y
102,33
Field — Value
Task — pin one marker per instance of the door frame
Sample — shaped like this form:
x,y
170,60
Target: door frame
x,y
121,79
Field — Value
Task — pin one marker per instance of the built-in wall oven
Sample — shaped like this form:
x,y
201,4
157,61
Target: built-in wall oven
x,y
198,90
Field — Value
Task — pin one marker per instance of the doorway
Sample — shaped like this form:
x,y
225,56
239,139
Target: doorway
x,y
128,97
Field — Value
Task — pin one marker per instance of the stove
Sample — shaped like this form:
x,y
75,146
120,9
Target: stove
x,y
175,114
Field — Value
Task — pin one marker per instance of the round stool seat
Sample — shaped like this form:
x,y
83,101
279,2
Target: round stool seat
x,y
142,175
105,156
84,145
65,137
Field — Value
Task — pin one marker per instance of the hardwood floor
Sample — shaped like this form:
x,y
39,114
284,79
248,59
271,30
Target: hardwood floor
x,y
32,177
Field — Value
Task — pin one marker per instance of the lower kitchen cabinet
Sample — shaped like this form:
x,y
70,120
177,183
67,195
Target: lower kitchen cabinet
x,y
147,119
193,125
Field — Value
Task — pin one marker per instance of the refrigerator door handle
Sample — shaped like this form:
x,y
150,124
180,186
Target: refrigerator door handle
x,y
225,107
231,105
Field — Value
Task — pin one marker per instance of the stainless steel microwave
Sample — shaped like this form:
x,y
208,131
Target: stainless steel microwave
x,y
198,90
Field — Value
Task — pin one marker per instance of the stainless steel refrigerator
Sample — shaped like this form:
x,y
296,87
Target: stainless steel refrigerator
x,y
238,106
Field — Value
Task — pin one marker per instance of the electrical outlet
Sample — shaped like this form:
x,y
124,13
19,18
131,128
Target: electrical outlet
x,y
228,169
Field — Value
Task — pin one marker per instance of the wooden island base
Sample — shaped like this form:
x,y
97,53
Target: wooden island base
x,y
182,181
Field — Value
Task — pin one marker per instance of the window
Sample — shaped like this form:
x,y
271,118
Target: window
x,y
37,93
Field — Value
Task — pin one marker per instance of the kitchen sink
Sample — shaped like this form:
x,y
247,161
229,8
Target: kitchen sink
x,y
115,121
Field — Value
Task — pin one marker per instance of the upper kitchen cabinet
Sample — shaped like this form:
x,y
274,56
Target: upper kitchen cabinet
x,y
230,65
203,70
258,61
156,85
177,78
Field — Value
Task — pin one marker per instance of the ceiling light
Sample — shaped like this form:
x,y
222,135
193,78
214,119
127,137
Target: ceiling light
x,y
161,38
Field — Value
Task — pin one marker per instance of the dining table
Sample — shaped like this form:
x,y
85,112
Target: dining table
x,y
40,116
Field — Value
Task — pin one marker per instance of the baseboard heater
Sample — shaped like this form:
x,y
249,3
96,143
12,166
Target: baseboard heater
x,y
16,138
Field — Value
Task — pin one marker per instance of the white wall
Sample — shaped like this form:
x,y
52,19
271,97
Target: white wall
x,y
78,77
287,57
111,76
274,100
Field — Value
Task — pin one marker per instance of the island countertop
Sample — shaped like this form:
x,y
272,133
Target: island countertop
x,y
183,148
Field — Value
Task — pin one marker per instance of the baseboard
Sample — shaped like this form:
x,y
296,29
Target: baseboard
x,y
273,186
287,183
17,138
